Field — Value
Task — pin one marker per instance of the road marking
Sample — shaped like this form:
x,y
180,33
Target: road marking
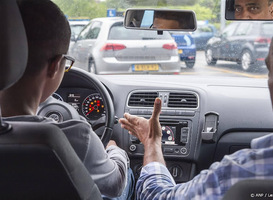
x,y
238,73
188,73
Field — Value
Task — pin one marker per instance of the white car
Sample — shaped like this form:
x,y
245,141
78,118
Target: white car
x,y
104,46
77,26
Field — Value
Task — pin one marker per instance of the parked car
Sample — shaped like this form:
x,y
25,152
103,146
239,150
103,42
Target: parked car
x,y
243,42
203,33
76,26
186,47
105,46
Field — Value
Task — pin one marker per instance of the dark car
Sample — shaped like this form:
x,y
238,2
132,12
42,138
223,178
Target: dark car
x,y
186,47
243,42
203,33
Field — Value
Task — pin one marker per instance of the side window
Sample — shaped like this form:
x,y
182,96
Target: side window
x,y
243,29
94,31
229,30
84,32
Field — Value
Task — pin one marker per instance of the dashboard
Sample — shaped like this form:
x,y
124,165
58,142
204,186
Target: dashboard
x,y
202,119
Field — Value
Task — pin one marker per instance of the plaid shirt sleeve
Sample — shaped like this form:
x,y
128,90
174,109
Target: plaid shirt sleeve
x,y
156,182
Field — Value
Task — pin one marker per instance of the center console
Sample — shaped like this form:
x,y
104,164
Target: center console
x,y
179,121
175,138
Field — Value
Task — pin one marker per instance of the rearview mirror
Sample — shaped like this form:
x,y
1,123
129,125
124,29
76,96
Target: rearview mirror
x,y
158,19
249,10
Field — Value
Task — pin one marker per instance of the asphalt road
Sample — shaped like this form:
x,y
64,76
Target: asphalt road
x,y
222,68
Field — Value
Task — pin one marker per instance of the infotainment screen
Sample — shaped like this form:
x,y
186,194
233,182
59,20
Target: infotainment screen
x,y
173,133
168,134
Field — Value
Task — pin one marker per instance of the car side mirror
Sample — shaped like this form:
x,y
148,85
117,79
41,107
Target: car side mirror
x,y
160,19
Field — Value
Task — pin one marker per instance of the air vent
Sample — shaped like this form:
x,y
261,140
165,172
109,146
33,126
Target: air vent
x,y
182,100
143,99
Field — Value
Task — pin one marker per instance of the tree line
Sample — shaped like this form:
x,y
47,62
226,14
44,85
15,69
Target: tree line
x,y
204,9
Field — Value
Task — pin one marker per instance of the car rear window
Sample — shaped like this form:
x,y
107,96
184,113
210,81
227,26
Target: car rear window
x,y
267,29
118,32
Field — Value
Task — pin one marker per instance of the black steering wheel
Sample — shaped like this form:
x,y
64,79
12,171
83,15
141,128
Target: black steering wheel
x,y
61,111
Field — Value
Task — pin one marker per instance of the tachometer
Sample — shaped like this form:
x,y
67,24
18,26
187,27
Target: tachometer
x,y
93,107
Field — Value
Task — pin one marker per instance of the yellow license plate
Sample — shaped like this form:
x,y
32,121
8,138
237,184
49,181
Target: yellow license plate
x,y
180,51
138,68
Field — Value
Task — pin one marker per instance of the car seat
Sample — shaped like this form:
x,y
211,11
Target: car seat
x,y
36,160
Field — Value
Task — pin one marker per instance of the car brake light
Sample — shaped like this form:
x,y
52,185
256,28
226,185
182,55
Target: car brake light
x,y
262,41
113,47
170,46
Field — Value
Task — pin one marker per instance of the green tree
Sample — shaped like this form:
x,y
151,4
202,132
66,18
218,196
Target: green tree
x,y
82,8
214,5
182,2
119,4
142,3
202,12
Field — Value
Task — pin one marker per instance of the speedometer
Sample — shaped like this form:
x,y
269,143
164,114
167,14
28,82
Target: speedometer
x,y
93,107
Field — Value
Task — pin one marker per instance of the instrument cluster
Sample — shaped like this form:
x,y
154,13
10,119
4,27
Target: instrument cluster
x,y
88,103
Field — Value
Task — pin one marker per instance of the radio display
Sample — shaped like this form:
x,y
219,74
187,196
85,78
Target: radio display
x,y
168,134
173,133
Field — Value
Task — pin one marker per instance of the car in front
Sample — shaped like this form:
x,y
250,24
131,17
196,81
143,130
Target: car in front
x,y
106,47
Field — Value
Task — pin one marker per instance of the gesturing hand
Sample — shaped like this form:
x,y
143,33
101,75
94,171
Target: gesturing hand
x,y
147,131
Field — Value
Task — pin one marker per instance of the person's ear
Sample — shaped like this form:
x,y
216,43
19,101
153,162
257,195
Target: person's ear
x,y
54,67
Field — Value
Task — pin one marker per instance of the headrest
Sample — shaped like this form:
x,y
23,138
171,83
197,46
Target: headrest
x,y
13,44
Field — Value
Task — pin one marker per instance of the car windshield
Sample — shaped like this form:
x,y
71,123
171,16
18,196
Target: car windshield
x,y
217,48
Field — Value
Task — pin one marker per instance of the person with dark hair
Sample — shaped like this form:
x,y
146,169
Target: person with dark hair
x,y
48,36
253,9
156,182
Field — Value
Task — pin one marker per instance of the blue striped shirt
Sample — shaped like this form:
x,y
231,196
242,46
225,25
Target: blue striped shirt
x,y
156,182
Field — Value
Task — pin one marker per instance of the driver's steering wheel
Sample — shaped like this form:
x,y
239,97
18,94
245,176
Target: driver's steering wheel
x,y
61,111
